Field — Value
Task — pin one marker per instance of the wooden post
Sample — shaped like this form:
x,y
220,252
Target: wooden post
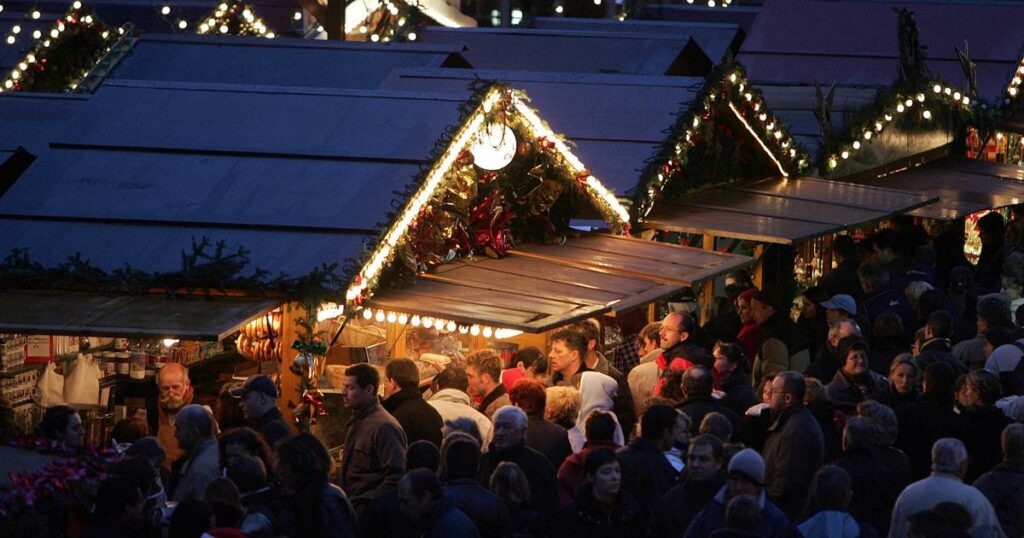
x,y
759,266
335,23
291,385
707,291
505,9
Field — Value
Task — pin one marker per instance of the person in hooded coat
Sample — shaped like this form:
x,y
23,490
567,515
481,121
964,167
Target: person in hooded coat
x,y
828,508
597,393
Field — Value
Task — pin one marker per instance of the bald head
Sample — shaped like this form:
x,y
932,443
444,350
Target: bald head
x,y
173,385
698,382
192,425
842,329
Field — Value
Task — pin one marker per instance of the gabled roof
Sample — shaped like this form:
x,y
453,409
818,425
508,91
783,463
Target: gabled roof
x,y
275,62
615,122
854,43
31,120
243,165
795,106
714,38
574,52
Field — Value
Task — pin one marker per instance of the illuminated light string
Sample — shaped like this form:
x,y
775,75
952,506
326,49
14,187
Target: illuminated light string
x,y
367,279
401,318
234,19
42,43
1014,89
900,104
751,110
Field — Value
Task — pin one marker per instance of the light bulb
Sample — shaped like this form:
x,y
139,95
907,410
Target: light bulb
x,y
463,329
927,114
297,16
166,10
403,319
428,322
474,330
956,96
920,97
415,321
451,326
845,155
182,25
487,332
392,317
888,117
856,144
168,342
899,108
867,134
411,36
937,88
380,317
367,313
36,14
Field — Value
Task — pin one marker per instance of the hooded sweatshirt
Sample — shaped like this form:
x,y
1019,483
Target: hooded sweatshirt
x,y
596,392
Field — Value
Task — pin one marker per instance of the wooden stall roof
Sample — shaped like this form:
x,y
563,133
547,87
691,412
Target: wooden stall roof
x,y
540,287
782,210
154,316
963,186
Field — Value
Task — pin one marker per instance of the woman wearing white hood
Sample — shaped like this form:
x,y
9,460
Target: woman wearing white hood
x,y
596,393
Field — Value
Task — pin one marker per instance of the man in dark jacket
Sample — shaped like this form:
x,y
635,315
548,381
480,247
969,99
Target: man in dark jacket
x,y
698,384
703,477
880,296
936,346
646,472
843,279
485,509
405,402
929,419
876,478
746,478
259,406
509,444
1004,484
434,515
675,338
733,378
826,362
985,422
374,457
795,446
542,435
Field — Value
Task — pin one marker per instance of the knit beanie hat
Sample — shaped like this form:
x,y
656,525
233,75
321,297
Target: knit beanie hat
x,y
749,464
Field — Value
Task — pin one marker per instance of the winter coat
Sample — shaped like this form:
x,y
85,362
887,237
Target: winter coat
x,y
793,452
984,434
881,355
940,350
825,364
419,420
548,438
622,399
750,338
843,279
699,407
782,349
830,420
495,400
445,520
738,395
888,299
200,466
573,472
845,393
540,474
774,523
453,404
482,507
943,487
596,394
1003,486
691,352
642,380
333,518
646,473
921,424
273,427
835,524
374,456
586,517
878,475
676,509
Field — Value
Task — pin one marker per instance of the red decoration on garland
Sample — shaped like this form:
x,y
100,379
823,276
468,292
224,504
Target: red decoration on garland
x,y
57,478
545,143
489,220
312,403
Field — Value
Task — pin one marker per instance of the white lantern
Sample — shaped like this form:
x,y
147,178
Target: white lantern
x,y
494,147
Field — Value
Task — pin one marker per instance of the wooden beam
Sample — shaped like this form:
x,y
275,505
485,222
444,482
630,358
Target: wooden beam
x,y
291,385
708,286
759,266
335,23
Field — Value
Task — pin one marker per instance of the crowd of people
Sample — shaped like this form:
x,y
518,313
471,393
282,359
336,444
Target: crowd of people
x,y
885,401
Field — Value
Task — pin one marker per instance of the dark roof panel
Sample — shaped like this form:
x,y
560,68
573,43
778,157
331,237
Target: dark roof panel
x,y
31,120
715,39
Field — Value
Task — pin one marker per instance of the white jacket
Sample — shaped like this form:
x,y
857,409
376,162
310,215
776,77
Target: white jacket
x,y
596,393
453,403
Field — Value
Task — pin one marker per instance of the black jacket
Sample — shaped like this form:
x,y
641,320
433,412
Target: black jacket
x,y
273,427
698,408
677,507
1004,487
738,395
878,477
586,517
646,472
940,350
690,352
548,438
481,506
793,452
540,474
921,424
845,392
843,279
984,433
829,419
418,418
825,364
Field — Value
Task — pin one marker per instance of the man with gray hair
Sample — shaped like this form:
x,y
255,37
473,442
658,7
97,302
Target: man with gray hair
x,y
509,444
200,465
825,362
949,465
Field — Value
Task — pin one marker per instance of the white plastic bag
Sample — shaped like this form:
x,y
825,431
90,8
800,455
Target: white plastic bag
x,y
51,387
82,385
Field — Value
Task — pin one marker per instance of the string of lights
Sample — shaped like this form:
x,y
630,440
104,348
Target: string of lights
x,y
234,19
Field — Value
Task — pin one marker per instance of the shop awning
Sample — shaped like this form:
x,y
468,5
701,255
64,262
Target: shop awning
x,y
782,210
540,287
963,186
138,316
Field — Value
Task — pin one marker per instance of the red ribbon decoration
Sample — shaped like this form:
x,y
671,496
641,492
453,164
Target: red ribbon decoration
x,y
314,400
489,220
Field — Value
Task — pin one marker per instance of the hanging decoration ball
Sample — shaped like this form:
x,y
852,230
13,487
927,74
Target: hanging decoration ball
x,y
495,147
524,149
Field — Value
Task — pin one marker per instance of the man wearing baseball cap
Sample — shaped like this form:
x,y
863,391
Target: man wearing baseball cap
x,y
839,307
259,406
746,477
